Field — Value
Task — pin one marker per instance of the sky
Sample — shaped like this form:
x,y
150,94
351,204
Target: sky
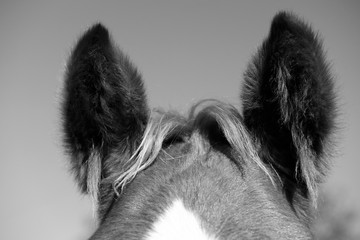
x,y
185,50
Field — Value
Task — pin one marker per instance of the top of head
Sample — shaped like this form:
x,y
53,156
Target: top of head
x,y
253,174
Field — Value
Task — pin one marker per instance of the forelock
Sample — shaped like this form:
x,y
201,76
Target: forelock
x,y
163,126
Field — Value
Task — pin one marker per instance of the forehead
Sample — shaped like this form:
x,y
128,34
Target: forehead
x,y
227,194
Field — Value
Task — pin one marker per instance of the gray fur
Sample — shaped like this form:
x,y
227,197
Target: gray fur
x,y
249,176
211,186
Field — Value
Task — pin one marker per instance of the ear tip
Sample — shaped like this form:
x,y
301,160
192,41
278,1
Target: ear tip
x,y
98,29
96,36
285,18
287,21
98,32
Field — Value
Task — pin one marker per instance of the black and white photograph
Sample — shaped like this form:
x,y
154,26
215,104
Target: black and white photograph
x,y
202,119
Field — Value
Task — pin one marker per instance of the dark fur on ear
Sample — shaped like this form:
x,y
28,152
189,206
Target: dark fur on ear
x,y
289,104
104,106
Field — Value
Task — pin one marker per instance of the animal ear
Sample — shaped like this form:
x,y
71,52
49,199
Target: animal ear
x,y
104,106
289,104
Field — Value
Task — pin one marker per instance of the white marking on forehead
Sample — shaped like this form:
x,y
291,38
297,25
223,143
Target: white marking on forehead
x,y
178,223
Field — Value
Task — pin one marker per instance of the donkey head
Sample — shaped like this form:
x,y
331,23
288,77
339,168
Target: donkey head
x,y
288,116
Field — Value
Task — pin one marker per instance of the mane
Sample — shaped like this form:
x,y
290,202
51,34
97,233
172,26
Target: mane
x,y
163,126
160,126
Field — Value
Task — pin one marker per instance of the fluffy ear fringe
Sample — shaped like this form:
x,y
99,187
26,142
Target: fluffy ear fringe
x,y
104,105
289,103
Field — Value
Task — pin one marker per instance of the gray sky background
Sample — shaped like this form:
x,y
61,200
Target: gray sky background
x,y
186,51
